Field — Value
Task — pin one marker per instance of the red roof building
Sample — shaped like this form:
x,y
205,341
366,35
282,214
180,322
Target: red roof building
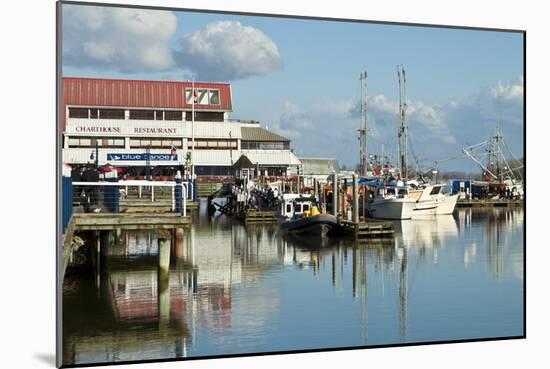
x,y
110,93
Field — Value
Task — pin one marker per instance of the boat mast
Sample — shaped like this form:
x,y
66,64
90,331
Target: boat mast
x,y
402,133
363,129
494,152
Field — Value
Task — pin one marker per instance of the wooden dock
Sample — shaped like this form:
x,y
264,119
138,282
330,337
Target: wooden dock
x,y
93,221
488,203
148,206
255,216
368,229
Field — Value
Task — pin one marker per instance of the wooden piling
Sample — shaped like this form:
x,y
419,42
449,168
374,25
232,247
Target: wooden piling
x,y
335,194
178,243
164,239
355,199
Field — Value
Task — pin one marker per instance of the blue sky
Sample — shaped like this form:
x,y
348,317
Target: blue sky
x,y
300,77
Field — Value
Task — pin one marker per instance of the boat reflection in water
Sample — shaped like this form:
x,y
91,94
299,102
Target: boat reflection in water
x,y
234,289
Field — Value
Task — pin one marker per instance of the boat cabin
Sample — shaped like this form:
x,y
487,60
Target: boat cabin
x,y
392,191
294,205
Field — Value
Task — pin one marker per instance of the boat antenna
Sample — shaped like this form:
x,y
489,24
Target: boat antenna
x,y
402,133
363,128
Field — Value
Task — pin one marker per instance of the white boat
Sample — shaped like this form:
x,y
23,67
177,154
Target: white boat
x,y
391,203
431,200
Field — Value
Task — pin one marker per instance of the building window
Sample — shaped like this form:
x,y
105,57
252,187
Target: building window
x,y
78,112
93,141
189,96
203,96
155,143
94,113
251,145
159,115
205,116
142,114
213,144
173,115
271,146
111,113
214,97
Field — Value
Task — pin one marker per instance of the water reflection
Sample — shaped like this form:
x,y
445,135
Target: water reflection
x,y
233,288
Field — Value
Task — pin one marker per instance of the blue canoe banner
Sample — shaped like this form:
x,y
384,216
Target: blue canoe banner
x,y
142,157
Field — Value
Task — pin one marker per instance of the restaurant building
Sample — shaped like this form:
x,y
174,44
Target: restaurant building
x,y
148,126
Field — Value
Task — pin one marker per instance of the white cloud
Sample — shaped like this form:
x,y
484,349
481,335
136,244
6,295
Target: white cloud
x,y
127,40
329,128
293,122
508,91
228,50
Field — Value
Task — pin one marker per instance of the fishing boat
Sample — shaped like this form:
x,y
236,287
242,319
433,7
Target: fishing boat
x,y
502,175
431,200
391,202
298,214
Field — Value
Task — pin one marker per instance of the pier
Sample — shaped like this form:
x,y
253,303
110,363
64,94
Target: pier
x,y
113,206
256,216
360,227
91,221
369,229
505,203
148,206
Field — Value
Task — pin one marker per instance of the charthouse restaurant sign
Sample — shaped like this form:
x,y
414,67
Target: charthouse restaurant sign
x,y
124,130
97,129
156,130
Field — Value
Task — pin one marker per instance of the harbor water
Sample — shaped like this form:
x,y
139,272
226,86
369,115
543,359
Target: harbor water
x,y
235,289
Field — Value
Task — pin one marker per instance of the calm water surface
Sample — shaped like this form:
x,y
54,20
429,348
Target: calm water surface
x,y
242,289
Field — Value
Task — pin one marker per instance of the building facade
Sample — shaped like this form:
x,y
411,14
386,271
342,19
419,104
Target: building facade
x,y
148,125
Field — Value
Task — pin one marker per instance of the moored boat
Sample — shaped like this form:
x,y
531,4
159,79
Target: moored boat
x,y
431,200
391,203
298,214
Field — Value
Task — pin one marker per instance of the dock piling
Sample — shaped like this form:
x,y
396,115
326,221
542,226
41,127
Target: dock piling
x,y
355,199
164,239
335,194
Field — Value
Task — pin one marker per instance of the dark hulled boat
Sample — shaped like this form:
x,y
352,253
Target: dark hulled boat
x,y
320,224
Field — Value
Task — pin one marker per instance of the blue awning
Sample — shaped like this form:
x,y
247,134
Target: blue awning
x,y
369,182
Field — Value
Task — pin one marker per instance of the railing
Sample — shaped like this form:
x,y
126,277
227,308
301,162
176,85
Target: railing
x,y
106,196
247,121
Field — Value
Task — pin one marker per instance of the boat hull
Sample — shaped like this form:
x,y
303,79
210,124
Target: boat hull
x,y
436,204
392,209
317,225
447,206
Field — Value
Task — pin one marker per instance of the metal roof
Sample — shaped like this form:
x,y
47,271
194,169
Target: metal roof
x,y
137,94
261,134
271,157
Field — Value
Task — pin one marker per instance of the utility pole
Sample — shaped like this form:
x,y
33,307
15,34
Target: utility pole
x,y
363,129
402,133
193,129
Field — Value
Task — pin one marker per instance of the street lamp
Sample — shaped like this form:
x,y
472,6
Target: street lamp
x,y
95,156
191,78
